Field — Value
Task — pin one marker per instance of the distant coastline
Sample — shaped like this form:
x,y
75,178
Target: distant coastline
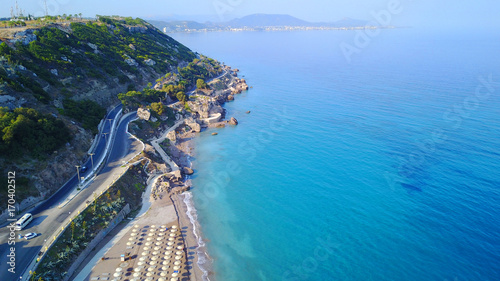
x,y
276,28
264,22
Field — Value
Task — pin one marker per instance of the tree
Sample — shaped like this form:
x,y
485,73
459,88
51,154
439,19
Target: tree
x,y
181,96
201,84
84,228
157,107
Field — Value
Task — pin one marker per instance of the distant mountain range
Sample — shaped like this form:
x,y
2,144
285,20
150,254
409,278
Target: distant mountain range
x,y
256,22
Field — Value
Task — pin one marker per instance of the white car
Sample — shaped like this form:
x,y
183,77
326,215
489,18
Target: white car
x,y
30,235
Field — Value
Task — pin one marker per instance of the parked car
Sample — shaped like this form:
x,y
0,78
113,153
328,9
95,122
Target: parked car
x,y
83,169
30,235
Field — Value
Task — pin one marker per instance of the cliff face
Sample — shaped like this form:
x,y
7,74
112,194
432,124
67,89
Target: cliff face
x,y
43,65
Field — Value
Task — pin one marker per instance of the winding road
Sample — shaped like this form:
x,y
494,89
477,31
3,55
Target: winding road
x,y
49,216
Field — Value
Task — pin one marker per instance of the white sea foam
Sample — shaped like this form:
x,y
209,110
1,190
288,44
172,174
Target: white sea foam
x,y
204,261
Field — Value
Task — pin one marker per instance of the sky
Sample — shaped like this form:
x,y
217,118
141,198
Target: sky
x,y
449,13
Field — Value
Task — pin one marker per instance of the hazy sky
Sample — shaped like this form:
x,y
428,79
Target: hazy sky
x,y
409,12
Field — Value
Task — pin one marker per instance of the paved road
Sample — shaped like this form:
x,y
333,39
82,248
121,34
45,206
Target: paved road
x,y
48,218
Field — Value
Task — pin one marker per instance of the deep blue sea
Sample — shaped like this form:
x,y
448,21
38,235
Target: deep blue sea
x,y
384,167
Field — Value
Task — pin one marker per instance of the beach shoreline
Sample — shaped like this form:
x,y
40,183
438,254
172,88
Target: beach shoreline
x,y
182,150
201,264
167,197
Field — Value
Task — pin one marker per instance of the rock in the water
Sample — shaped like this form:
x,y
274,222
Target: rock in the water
x,y
233,121
143,113
187,171
230,97
220,125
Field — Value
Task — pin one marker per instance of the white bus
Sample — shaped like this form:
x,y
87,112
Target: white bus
x,y
24,221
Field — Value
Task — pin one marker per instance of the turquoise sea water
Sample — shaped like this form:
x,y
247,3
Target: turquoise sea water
x,y
385,168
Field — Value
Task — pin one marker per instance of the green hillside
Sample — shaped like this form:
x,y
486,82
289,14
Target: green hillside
x,y
58,77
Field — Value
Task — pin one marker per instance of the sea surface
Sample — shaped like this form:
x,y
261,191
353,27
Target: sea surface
x,y
379,165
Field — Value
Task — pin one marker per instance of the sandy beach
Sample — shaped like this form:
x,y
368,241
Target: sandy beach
x,y
160,209
152,243
181,152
